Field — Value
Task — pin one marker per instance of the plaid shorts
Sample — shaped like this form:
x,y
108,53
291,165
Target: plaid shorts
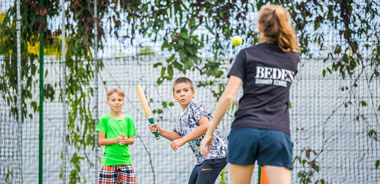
x,y
120,174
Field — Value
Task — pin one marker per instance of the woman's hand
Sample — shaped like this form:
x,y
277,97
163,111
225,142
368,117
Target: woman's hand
x,y
206,145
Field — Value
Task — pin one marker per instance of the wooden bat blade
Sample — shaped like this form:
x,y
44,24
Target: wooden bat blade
x,y
145,105
144,102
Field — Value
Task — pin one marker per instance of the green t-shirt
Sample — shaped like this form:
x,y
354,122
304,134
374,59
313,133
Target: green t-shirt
x,y
116,154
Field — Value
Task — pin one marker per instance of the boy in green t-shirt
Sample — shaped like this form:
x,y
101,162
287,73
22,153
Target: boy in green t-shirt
x,y
116,132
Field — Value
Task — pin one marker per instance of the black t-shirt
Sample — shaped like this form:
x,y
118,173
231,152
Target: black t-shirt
x,y
267,73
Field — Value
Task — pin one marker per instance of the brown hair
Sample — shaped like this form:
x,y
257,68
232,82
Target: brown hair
x,y
115,90
276,27
183,80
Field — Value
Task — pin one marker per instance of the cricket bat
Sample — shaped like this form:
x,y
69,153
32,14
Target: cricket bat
x,y
148,112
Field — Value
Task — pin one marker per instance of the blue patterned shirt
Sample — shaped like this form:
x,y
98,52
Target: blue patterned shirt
x,y
189,121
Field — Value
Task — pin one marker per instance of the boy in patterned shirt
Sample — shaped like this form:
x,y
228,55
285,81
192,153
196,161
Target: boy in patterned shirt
x,y
191,128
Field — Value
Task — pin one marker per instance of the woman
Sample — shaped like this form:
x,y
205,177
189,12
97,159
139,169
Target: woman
x,y
260,130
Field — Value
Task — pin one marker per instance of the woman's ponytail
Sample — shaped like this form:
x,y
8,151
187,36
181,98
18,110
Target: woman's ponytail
x,y
276,27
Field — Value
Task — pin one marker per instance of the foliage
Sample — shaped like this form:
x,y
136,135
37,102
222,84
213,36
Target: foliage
x,y
223,176
8,81
8,176
79,63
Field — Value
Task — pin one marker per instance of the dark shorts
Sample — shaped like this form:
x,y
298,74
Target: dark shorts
x,y
268,147
207,172
123,174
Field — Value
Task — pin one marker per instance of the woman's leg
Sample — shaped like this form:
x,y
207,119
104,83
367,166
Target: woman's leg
x,y
241,174
277,175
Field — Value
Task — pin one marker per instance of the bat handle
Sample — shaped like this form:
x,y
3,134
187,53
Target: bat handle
x,y
151,121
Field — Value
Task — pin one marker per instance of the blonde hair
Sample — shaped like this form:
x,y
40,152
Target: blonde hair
x,y
276,27
183,80
115,90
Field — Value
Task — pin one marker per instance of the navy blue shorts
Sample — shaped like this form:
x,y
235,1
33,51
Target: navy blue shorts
x,y
268,147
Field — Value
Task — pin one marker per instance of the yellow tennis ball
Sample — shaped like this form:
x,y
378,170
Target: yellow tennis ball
x,y
236,40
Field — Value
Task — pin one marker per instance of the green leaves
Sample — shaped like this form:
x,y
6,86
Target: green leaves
x,y
164,105
185,27
75,172
310,166
372,134
79,62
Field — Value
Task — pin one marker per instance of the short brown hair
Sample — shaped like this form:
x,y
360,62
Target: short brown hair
x,y
115,90
183,80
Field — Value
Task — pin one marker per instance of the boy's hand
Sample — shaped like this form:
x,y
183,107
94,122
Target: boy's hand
x,y
154,127
122,140
177,143
206,144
